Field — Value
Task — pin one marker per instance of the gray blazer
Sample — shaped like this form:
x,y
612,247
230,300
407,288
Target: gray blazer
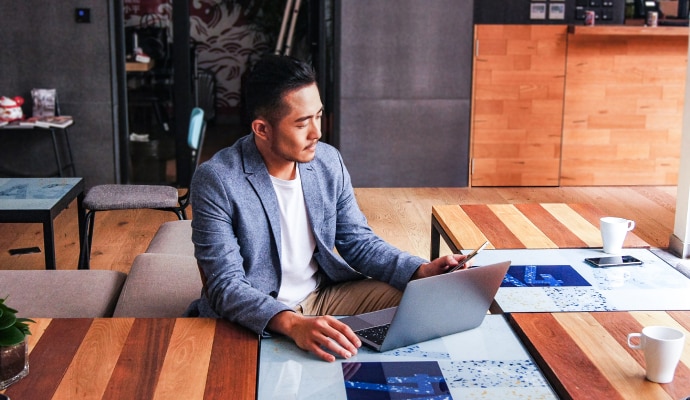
x,y
236,233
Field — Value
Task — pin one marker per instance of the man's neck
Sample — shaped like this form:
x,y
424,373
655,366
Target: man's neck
x,y
286,172
277,167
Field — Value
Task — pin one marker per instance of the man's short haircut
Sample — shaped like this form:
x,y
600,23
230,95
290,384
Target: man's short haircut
x,y
269,81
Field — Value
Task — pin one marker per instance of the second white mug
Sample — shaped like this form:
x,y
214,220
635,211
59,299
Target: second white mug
x,y
662,347
613,232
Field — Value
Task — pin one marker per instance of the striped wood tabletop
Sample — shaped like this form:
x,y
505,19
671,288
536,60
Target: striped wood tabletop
x,y
586,356
128,358
519,226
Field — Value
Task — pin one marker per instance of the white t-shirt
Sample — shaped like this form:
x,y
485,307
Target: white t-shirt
x,y
299,277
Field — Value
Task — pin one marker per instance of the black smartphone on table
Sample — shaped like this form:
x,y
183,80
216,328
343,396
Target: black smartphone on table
x,y
469,257
612,261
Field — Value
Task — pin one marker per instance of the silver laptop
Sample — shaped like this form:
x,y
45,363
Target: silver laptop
x,y
432,307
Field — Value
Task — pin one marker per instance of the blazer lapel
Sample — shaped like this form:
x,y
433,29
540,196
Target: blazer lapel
x,y
312,197
258,177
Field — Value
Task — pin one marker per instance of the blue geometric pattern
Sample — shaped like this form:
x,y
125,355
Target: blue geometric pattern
x,y
543,276
394,380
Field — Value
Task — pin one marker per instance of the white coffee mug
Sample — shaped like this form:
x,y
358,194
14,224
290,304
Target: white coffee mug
x,y
662,347
613,232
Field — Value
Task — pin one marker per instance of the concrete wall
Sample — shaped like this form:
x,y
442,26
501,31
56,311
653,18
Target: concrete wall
x,y
43,47
403,87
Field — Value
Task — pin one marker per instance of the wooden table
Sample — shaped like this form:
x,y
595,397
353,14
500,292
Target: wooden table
x,y
40,200
586,356
519,226
127,358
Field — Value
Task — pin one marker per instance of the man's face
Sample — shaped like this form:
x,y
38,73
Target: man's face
x,y
294,137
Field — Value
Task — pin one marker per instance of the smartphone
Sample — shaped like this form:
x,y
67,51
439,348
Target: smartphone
x,y
469,257
613,261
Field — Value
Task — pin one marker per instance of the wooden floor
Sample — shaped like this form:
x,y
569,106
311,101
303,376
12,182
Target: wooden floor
x,y
400,215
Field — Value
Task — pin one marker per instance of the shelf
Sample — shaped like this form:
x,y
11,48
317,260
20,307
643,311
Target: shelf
x,y
138,67
628,30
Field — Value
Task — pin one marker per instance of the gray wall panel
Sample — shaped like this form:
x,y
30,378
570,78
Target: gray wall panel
x,y
405,48
403,88
419,142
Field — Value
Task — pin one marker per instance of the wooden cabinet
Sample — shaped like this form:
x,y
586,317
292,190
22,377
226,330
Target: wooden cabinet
x,y
559,106
623,107
517,108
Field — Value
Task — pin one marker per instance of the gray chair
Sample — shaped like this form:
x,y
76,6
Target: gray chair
x,y
130,197
63,293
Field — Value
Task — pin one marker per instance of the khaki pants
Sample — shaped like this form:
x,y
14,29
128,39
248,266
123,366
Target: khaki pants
x,y
350,298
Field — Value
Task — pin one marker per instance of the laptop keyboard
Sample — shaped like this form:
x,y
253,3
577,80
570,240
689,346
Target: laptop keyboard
x,y
375,334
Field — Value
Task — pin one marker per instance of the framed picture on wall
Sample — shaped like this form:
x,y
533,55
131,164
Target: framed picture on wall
x,y
537,11
557,11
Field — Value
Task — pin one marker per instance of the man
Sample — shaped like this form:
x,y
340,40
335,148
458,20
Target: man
x,y
271,211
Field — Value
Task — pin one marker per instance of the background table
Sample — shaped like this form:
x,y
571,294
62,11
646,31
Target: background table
x,y
31,200
58,151
586,356
486,362
655,285
519,226
127,358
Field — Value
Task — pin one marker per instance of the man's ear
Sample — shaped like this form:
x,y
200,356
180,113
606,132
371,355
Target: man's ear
x,y
261,128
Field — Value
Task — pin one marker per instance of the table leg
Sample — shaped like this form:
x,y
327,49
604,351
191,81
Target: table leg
x,y
57,152
70,162
49,243
81,217
435,238
437,233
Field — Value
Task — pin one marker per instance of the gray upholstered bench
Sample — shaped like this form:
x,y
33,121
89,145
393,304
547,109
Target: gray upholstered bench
x,y
161,283
165,280
173,237
159,286
61,293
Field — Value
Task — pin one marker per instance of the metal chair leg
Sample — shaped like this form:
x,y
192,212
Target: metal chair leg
x,y
88,231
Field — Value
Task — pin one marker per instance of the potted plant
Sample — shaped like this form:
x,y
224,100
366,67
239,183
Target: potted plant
x,y
14,352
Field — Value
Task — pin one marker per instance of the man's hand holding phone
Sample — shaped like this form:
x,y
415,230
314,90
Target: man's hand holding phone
x,y
445,264
469,257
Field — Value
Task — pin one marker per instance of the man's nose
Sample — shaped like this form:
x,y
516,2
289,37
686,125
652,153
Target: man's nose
x,y
315,129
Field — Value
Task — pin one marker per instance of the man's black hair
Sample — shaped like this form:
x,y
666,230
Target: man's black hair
x,y
271,78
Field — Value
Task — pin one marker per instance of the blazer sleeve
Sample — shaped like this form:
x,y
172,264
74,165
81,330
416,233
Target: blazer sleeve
x,y
359,246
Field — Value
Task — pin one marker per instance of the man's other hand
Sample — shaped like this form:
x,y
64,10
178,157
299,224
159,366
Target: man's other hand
x,y
323,335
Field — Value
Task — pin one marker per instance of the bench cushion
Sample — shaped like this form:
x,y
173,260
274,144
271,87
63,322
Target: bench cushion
x,y
61,293
173,237
159,286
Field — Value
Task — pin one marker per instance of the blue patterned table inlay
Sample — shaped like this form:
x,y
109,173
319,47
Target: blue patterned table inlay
x,y
488,362
543,276
490,373
33,193
394,380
